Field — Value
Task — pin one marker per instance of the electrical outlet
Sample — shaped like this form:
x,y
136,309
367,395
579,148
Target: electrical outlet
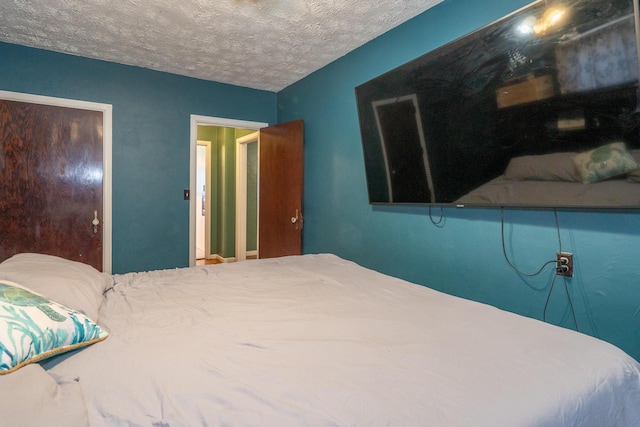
x,y
564,264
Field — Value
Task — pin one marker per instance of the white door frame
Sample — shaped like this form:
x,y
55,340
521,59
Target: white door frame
x,y
107,114
241,193
207,198
197,120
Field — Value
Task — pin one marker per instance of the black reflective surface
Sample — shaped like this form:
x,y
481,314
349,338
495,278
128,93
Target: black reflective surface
x,y
557,76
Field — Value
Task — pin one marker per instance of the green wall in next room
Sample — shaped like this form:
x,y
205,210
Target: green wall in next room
x,y
223,188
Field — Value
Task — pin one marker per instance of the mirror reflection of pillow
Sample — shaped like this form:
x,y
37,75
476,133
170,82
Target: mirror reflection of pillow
x,y
604,162
634,175
544,167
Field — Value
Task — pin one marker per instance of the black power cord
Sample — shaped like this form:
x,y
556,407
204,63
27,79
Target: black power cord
x,y
506,257
553,281
437,222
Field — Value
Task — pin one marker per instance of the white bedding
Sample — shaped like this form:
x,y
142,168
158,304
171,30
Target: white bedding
x,y
319,341
33,397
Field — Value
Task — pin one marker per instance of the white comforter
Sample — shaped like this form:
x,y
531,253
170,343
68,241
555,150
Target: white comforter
x,y
319,341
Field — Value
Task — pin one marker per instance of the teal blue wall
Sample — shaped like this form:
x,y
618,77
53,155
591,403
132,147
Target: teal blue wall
x,y
463,255
151,120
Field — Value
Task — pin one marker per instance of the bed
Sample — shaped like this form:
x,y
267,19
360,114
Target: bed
x,y
312,340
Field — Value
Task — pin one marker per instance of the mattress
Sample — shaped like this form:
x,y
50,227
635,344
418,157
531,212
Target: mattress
x,y
316,340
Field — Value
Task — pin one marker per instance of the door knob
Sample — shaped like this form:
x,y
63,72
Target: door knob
x,y
95,222
297,220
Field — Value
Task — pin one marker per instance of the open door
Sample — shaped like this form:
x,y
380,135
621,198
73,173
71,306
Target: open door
x,y
281,167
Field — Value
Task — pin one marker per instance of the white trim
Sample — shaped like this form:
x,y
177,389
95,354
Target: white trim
x,y
224,260
207,196
636,23
196,121
241,193
107,173
222,197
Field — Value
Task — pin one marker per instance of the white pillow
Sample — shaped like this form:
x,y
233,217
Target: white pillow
x,y
71,283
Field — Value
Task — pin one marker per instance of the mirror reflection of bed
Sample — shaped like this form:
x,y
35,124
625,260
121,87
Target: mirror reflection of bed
x,y
554,180
522,111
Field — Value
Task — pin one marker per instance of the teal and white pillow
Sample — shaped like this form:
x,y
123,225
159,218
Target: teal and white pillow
x,y
604,162
32,327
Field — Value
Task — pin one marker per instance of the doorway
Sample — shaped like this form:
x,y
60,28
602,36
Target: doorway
x,y
227,182
279,187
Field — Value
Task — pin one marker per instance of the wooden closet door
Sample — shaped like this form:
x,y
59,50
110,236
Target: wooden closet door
x,y
51,174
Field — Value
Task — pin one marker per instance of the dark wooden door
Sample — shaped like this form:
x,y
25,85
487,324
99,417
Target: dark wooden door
x,y
281,188
50,181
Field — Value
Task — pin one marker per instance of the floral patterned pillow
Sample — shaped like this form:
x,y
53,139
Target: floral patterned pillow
x,y
32,327
604,162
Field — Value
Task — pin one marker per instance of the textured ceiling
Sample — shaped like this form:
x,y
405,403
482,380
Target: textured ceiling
x,y
262,44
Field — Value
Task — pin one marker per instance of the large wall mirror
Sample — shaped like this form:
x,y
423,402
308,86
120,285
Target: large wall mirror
x,y
538,109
